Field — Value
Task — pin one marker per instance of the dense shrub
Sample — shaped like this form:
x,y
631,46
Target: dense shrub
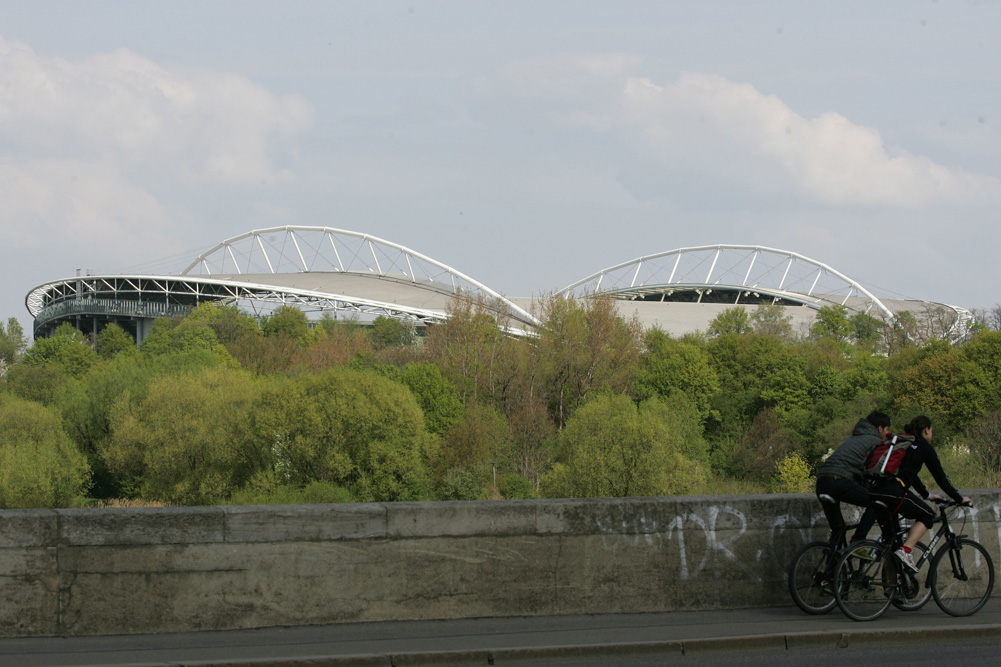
x,y
39,464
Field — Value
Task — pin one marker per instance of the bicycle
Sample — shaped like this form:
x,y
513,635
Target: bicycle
x,y
870,577
811,575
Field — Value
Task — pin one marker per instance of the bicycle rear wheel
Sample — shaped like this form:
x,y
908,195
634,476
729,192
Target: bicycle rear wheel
x,y
923,593
962,577
864,585
811,577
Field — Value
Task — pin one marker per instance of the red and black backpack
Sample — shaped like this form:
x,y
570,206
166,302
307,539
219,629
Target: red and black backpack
x,y
885,457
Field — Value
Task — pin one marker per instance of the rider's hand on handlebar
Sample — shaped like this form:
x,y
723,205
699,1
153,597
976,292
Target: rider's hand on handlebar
x,y
967,501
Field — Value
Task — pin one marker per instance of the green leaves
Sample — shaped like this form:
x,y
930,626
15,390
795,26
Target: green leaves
x,y
671,365
39,465
614,448
12,343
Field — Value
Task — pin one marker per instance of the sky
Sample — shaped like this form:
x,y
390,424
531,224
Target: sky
x,y
526,144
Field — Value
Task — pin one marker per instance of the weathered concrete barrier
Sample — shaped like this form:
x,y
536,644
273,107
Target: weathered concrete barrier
x,y
116,571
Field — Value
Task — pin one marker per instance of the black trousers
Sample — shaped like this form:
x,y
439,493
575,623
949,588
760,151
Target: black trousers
x,y
847,490
904,502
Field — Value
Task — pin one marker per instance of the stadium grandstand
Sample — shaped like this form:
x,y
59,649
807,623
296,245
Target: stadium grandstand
x,y
350,274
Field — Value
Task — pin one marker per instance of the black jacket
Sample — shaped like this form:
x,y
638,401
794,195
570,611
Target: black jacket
x,y
921,454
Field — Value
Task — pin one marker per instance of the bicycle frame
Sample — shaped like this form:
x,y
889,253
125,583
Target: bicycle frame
x,y
943,531
867,583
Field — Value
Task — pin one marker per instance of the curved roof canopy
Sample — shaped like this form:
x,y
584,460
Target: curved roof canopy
x,y
314,267
742,271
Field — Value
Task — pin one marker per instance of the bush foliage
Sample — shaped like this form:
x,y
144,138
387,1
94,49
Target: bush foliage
x,y
219,407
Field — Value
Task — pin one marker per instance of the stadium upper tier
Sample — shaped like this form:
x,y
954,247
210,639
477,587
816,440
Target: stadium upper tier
x,y
339,271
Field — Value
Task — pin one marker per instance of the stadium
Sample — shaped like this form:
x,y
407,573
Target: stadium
x,y
351,274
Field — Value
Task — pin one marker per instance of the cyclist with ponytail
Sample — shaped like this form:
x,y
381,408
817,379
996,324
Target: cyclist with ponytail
x,y
905,491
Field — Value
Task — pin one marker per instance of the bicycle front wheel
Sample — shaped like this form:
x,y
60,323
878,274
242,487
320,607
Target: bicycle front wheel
x,y
920,597
864,582
811,578
962,577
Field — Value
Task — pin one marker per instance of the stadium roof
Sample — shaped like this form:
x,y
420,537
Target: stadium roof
x,y
327,269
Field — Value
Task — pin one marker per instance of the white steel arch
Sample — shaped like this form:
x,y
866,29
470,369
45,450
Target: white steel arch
x,y
742,269
303,249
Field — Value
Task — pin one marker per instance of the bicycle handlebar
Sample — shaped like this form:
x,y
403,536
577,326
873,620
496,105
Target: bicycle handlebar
x,y
949,502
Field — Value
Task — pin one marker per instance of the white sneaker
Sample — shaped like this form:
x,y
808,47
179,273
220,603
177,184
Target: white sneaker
x,y
906,559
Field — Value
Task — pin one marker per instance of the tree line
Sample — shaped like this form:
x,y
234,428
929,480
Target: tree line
x,y
220,407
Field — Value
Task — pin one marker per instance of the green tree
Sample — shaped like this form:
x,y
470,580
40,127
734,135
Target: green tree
x,y
533,439
733,320
944,386
39,465
792,475
289,322
769,319
467,347
266,355
187,441
613,448
827,381
763,447
229,323
159,338
67,348
670,365
785,388
479,440
86,405
866,329
352,428
334,346
186,334
438,399
757,371
735,358
983,437
900,333
113,340
983,351
12,343
832,321
584,346
866,376
39,382
461,484
391,332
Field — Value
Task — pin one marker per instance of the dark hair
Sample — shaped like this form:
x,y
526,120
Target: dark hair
x,y
918,425
877,419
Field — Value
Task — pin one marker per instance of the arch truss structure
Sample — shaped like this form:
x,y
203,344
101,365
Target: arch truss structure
x,y
313,268
731,273
326,250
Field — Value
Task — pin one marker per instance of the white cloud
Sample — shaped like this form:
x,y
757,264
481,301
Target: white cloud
x,y
723,130
209,126
78,203
970,137
580,89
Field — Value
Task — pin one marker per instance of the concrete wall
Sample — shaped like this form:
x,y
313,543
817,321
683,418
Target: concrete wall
x,y
87,572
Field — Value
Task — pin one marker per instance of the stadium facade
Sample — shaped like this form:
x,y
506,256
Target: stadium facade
x,y
322,269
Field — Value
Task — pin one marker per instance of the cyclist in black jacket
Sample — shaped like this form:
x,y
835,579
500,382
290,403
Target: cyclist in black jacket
x,y
896,493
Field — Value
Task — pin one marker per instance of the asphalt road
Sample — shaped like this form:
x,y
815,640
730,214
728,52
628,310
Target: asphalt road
x,y
772,635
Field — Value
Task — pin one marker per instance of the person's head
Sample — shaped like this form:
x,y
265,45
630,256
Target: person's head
x,y
920,425
881,421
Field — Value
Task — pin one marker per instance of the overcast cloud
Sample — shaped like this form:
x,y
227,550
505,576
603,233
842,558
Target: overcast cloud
x,y
527,146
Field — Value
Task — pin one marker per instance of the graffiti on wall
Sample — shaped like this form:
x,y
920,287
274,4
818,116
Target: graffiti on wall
x,y
707,541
